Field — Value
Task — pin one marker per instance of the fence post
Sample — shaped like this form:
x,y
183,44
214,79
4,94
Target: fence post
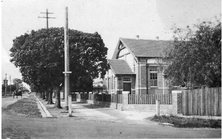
x,y
125,98
70,105
157,107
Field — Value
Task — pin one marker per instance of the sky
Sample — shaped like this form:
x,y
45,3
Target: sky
x,y
112,19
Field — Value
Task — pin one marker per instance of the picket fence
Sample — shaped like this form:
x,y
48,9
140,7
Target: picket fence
x,y
116,98
150,98
204,102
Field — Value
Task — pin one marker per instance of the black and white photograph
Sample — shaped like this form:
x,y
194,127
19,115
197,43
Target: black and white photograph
x,y
102,69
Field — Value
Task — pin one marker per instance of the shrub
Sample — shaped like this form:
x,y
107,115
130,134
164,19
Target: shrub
x,y
188,122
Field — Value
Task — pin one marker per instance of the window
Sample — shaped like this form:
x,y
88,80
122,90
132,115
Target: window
x,y
153,76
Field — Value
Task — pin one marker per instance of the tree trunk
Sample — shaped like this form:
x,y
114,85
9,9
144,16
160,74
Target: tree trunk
x,y
63,93
43,95
50,96
46,95
40,94
87,95
58,99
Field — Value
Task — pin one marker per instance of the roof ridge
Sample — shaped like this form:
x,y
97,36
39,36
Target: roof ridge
x,y
146,48
145,39
117,59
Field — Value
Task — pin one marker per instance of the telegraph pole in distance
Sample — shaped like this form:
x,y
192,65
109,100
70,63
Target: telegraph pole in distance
x,y
47,27
68,98
47,17
10,85
6,84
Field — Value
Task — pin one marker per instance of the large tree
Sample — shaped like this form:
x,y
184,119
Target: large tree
x,y
195,58
40,57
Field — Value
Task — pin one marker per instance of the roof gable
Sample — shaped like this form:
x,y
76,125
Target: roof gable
x,y
120,67
144,48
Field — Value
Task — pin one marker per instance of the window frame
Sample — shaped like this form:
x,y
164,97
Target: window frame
x,y
153,70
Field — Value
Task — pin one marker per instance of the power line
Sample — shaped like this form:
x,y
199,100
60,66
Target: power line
x,y
47,17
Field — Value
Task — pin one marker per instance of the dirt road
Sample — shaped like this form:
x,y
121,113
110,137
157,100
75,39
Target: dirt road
x,y
81,126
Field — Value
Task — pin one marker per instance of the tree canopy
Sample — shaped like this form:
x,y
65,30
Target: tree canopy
x,y
195,59
17,82
40,57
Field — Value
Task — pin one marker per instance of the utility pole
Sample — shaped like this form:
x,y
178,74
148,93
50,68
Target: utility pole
x,y
6,84
10,84
68,99
47,17
47,27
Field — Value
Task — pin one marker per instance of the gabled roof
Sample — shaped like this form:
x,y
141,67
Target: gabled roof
x,y
144,48
120,67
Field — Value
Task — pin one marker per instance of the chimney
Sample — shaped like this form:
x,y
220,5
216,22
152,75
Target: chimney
x,y
137,37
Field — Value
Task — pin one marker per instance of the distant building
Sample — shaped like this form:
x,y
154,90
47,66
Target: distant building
x,y
137,67
98,86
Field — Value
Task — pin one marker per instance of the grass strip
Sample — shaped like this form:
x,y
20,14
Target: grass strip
x,y
14,133
182,122
26,106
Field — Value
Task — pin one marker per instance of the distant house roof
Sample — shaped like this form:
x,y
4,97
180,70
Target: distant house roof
x,y
120,67
98,84
143,48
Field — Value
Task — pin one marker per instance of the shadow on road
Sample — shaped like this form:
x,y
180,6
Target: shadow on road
x,y
91,106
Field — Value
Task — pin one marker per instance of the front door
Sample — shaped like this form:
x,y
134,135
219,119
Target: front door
x,y
127,87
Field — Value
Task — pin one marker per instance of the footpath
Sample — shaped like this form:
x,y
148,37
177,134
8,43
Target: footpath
x,y
91,112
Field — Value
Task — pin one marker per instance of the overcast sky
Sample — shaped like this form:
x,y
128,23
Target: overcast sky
x,y
110,18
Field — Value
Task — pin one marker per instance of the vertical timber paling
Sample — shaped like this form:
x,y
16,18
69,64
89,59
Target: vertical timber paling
x,y
197,103
190,102
210,101
182,99
194,103
219,101
187,104
215,100
201,102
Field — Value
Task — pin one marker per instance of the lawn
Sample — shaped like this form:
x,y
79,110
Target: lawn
x,y
24,107
14,133
188,122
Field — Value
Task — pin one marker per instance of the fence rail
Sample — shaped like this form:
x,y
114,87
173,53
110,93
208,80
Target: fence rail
x,y
204,102
114,98
150,98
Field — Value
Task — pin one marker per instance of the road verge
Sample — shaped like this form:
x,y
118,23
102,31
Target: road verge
x,y
45,113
